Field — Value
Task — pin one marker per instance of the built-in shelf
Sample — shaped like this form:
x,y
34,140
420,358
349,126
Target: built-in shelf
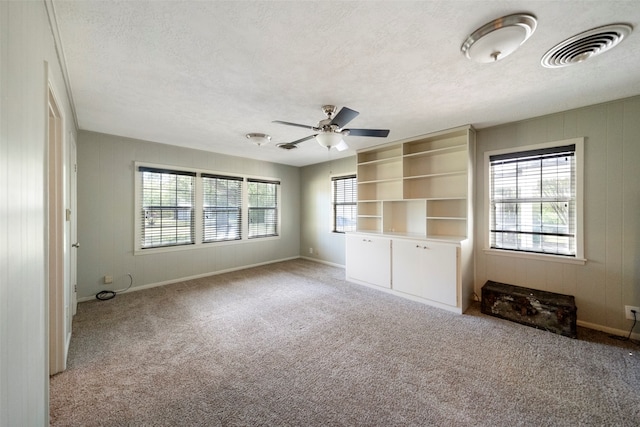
x,y
419,186
436,152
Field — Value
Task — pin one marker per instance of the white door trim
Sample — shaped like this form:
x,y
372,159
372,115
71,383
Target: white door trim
x,y
56,232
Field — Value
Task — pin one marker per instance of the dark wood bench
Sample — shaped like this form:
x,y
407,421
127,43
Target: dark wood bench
x,y
540,309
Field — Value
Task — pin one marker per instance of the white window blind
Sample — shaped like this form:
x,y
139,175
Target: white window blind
x,y
345,208
533,201
167,208
263,207
222,208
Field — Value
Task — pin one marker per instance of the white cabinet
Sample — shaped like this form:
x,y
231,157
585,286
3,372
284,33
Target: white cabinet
x,y
426,269
431,271
368,260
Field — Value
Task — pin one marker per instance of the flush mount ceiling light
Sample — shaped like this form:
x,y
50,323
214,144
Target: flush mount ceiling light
x,y
585,45
259,138
287,146
499,38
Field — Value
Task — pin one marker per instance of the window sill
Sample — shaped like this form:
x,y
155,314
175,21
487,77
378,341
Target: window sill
x,y
539,257
197,246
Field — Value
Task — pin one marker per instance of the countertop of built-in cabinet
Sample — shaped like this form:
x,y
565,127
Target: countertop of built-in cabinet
x,y
412,236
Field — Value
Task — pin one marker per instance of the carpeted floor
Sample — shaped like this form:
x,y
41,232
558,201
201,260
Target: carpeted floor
x,y
293,344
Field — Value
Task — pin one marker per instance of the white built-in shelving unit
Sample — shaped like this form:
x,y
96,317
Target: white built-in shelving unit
x,y
420,186
417,189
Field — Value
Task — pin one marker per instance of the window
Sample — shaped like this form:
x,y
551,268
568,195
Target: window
x,y
534,203
344,198
167,208
183,208
263,208
222,208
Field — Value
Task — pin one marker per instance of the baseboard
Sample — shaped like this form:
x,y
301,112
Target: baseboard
x,y
612,331
321,261
197,276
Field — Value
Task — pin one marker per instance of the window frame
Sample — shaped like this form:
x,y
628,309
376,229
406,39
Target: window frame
x,y
198,209
579,202
334,203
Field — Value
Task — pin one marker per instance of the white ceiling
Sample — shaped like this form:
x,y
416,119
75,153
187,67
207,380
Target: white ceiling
x,y
202,74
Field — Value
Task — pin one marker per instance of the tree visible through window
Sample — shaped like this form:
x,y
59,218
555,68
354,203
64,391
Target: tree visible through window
x,y
533,201
345,208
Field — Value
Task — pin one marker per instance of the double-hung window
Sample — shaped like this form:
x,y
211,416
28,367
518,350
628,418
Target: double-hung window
x,y
263,207
534,201
344,202
221,208
167,208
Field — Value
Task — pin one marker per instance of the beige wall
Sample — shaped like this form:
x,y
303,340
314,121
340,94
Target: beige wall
x,y
27,44
315,199
611,277
106,215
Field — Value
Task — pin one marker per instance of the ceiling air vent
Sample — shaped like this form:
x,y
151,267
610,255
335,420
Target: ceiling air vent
x,y
585,45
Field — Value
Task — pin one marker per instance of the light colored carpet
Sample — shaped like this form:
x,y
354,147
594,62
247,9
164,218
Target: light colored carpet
x,y
293,344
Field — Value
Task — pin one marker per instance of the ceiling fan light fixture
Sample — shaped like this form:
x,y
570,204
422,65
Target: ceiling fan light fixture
x,y
342,146
499,38
329,139
259,139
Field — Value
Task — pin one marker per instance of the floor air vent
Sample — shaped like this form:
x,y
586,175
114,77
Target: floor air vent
x,y
585,45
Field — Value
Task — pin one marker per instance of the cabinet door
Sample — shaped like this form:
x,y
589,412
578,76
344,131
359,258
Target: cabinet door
x,y
368,259
426,269
408,274
440,265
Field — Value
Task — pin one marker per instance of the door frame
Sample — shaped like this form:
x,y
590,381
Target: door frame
x,y
73,229
56,236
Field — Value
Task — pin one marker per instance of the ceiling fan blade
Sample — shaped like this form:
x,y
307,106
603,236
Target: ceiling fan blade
x,y
306,138
381,133
295,124
344,116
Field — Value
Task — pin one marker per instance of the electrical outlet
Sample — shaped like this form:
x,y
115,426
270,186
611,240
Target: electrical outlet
x,y
311,251
108,280
629,314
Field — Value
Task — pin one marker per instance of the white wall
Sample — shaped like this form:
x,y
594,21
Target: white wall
x,y
26,43
315,198
106,215
611,277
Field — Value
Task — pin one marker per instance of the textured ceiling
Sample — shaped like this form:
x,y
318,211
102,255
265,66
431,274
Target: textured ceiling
x,y
202,74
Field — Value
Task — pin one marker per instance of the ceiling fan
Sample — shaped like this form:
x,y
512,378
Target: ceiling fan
x,y
330,131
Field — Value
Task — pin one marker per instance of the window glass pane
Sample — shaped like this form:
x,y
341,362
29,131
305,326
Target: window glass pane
x,y
222,208
167,208
263,208
532,199
345,197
